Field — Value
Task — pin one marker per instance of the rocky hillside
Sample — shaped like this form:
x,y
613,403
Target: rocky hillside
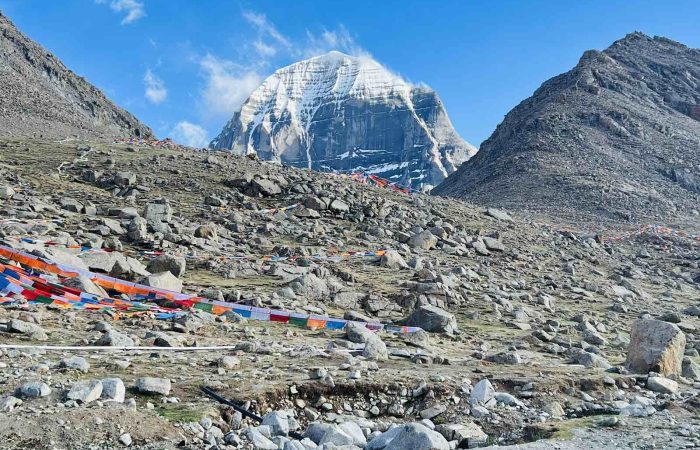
x,y
341,113
529,331
618,136
39,96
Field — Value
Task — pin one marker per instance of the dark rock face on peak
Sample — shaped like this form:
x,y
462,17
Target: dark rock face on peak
x,y
336,112
616,137
39,96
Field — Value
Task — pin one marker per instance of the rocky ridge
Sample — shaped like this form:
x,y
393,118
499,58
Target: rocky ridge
x,y
40,97
617,137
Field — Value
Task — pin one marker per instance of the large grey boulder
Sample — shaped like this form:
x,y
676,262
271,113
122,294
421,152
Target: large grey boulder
x,y
432,318
467,435
316,430
353,430
149,385
75,363
9,403
113,390
61,256
339,206
482,392
691,369
137,229
266,188
655,346
417,436
424,240
113,263
393,260
6,192
310,286
278,421
114,339
381,441
375,349
357,332
164,280
30,329
259,440
499,214
206,231
85,391
336,436
167,263
33,389
158,211
85,284
591,360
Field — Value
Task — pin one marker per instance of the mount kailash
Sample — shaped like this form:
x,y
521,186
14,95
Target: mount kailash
x,y
343,113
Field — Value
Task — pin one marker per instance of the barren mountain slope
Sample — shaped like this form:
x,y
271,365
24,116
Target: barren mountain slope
x,y
618,136
39,96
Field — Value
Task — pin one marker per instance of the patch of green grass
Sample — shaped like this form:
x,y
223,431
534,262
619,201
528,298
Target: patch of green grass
x,y
563,431
179,413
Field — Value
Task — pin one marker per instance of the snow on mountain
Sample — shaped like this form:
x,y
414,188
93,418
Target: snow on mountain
x,y
336,112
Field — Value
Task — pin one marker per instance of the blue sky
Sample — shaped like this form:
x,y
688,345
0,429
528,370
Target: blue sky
x,y
184,66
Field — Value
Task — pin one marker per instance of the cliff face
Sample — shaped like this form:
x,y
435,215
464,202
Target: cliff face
x,y
617,136
341,113
39,96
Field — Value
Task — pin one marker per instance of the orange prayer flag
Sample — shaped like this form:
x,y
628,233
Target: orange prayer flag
x,y
315,324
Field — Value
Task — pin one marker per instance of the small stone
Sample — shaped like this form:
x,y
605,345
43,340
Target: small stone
x,y
554,409
114,339
75,363
229,362
125,439
8,403
433,411
662,385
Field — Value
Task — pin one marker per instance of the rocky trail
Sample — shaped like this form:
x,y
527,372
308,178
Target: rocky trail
x,y
533,333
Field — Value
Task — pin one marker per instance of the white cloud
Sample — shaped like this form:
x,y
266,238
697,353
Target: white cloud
x,y
227,86
156,91
264,49
339,39
190,134
270,42
266,28
134,9
228,83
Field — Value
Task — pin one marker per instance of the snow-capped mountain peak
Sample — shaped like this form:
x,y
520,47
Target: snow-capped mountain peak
x,y
347,113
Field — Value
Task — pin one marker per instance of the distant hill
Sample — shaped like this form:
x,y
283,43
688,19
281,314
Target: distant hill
x,y
618,136
39,96
337,112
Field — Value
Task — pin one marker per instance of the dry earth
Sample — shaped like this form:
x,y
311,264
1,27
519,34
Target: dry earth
x,y
541,309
